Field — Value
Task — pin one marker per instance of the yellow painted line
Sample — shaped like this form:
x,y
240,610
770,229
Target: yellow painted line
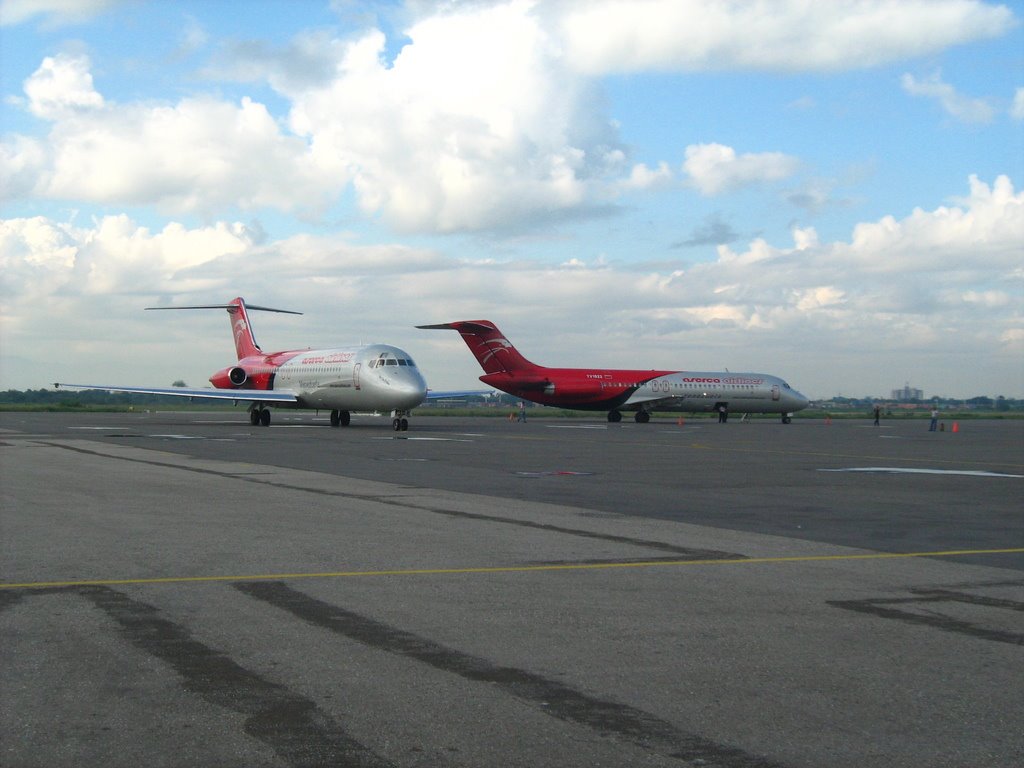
x,y
505,569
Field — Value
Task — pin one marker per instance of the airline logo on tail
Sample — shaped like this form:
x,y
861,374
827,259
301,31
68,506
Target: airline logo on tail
x,y
241,335
500,345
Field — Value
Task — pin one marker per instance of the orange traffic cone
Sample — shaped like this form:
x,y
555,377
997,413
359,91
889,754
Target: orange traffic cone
x,y
681,421
956,426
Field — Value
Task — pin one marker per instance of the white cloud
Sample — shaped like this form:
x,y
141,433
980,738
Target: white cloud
x,y
955,104
61,87
199,155
643,177
477,123
40,258
986,225
715,169
55,12
603,36
915,288
489,117
1017,108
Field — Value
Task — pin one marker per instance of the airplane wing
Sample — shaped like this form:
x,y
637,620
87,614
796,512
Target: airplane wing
x,y
209,393
433,394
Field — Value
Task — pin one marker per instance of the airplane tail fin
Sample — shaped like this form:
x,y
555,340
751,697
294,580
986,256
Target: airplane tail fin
x,y
492,350
245,342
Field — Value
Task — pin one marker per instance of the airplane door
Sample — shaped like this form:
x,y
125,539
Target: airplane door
x,y
775,392
355,375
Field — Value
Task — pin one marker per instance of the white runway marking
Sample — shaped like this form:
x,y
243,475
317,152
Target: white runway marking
x,y
128,428
430,439
912,471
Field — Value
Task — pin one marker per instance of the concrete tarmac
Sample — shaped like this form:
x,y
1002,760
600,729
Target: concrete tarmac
x,y
183,589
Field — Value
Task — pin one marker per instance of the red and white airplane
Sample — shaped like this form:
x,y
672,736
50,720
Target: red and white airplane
x,y
605,389
374,377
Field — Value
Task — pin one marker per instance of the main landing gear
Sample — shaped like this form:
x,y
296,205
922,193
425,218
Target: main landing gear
x,y
641,417
340,418
259,415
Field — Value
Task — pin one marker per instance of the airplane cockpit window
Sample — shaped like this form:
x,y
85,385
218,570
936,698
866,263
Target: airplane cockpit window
x,y
386,358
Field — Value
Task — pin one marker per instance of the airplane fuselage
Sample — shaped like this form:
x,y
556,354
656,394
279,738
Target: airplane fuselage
x,y
372,377
686,391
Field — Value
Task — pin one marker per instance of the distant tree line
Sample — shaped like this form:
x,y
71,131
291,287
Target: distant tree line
x,y
981,402
85,397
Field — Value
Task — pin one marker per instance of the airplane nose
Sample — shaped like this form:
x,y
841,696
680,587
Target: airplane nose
x,y
411,389
800,401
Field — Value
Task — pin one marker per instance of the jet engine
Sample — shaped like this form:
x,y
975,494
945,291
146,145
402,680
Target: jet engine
x,y
572,388
229,378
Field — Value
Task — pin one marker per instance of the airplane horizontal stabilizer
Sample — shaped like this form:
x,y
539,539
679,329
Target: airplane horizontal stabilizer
x,y
229,306
467,325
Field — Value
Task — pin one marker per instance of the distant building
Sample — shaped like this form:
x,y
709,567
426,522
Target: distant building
x,y
907,394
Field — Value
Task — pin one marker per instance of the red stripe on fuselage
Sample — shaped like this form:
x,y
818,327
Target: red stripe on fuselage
x,y
578,388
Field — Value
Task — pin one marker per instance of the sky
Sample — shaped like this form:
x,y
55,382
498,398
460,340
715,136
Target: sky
x,y
832,192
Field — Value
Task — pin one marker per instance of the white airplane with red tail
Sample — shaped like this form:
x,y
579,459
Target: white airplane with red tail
x,y
614,391
373,377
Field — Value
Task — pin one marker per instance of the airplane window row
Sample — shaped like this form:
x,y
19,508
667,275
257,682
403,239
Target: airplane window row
x,y
702,387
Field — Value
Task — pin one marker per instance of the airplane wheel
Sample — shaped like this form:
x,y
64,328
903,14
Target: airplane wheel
x,y
344,418
642,417
254,417
405,425
397,424
335,418
265,417
614,417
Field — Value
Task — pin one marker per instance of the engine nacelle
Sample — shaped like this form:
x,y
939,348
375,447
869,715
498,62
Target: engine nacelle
x,y
573,388
229,378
